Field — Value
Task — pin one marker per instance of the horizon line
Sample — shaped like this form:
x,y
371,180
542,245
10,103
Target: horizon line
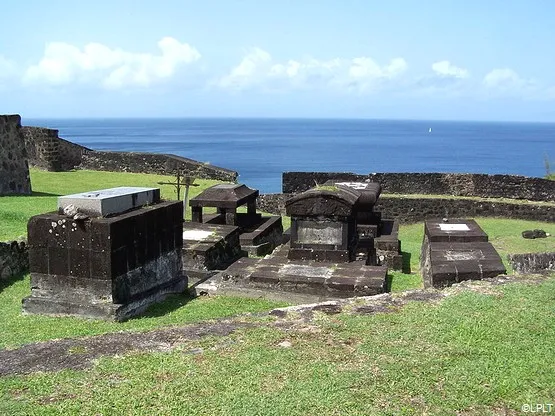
x,y
285,118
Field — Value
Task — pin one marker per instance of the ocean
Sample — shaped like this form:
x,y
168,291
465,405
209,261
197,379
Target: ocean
x,y
261,149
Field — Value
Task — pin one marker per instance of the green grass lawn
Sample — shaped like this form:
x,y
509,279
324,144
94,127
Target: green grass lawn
x,y
47,186
471,354
15,211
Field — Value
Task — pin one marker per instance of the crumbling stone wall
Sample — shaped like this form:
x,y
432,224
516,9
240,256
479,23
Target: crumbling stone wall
x,y
456,184
14,258
410,210
14,167
48,151
532,262
162,164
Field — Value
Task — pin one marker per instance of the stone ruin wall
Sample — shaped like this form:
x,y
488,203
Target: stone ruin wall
x,y
48,151
411,210
532,262
456,184
14,167
162,164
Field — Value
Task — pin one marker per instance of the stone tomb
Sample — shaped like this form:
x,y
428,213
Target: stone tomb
x,y
323,224
258,235
318,263
208,248
378,238
298,281
456,250
111,265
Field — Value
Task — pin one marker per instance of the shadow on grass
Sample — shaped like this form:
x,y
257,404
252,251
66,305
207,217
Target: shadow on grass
x,y
4,283
388,282
406,262
43,194
172,303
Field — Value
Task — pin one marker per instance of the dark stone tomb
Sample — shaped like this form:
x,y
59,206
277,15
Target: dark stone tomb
x,y
455,250
276,276
318,263
208,248
259,234
105,254
323,224
378,238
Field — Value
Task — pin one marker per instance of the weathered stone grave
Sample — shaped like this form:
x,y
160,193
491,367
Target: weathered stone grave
x,y
105,254
208,248
378,238
455,250
259,234
323,224
318,263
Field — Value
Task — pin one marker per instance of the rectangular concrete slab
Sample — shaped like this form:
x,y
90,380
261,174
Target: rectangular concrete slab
x,y
110,201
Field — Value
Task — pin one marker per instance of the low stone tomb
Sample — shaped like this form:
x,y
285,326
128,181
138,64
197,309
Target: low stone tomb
x,y
378,238
455,250
259,234
105,254
208,248
298,281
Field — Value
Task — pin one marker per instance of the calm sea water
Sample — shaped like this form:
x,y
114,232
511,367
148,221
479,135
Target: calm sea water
x,y
261,149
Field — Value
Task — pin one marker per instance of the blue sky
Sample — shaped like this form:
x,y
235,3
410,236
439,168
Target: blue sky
x,y
454,60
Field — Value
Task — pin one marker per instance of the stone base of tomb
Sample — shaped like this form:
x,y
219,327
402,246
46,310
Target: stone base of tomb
x,y
75,297
260,235
262,238
297,281
208,248
111,268
457,250
388,246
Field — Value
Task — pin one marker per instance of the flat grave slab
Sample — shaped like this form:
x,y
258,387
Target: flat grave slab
x,y
454,230
277,277
110,201
455,251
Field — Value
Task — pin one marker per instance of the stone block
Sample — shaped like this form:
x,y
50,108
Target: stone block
x,y
110,201
100,267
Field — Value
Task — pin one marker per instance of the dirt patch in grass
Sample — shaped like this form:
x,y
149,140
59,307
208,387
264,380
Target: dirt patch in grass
x,y
80,353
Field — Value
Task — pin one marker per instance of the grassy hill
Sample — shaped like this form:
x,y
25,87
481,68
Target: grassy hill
x,y
472,353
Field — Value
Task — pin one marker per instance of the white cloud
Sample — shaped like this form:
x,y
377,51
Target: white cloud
x,y
447,69
504,78
64,64
250,71
8,69
258,69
